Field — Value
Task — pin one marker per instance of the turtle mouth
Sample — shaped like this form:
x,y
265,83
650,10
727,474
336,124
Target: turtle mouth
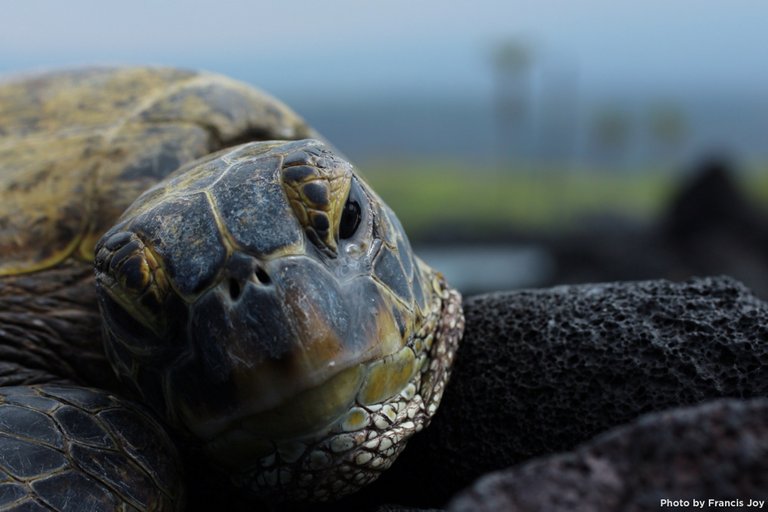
x,y
285,346
337,437
309,414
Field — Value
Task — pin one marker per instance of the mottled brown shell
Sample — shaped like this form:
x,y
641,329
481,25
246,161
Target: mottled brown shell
x,y
77,147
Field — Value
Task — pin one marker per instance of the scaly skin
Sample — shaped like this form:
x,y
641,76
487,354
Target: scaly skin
x,y
71,448
50,329
64,446
365,442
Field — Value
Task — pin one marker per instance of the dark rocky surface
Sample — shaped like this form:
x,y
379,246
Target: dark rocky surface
x,y
403,508
541,371
718,451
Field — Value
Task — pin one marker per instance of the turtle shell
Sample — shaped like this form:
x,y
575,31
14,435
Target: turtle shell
x,y
77,147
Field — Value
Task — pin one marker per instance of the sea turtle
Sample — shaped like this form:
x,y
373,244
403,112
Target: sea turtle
x,y
259,305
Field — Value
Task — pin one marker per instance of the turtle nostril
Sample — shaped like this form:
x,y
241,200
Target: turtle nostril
x,y
262,276
234,289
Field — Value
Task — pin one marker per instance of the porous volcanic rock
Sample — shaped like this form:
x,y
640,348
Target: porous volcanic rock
x,y
716,451
542,371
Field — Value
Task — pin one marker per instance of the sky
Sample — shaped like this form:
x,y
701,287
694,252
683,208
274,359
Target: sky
x,y
343,48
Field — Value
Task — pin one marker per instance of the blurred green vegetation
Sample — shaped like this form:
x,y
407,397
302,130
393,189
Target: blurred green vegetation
x,y
757,186
433,194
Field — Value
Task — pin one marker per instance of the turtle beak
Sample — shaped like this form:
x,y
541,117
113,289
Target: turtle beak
x,y
269,333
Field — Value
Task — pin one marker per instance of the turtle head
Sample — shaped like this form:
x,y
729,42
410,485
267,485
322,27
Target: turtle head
x,y
266,302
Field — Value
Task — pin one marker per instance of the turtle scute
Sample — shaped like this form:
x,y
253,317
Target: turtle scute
x,y
296,339
77,147
70,448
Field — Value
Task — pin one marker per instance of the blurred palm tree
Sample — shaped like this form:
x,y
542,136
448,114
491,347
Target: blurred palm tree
x,y
610,133
512,61
668,129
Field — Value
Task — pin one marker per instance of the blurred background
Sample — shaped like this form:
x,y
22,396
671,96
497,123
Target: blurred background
x,y
522,143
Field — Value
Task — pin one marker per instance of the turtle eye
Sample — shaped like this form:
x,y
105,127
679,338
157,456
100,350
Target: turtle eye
x,y
350,219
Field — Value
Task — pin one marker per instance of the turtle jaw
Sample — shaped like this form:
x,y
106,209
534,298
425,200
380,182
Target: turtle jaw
x,y
260,342
313,412
332,440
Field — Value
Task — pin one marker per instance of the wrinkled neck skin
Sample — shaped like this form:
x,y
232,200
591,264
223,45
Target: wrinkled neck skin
x,y
50,329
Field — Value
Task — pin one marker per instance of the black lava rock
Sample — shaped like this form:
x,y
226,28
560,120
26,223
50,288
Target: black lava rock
x,y
717,451
398,508
541,371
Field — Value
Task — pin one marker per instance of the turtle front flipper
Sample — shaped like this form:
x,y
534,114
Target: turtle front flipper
x,y
74,448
